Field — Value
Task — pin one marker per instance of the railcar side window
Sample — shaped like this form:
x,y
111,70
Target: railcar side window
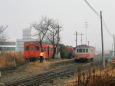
x,y
37,47
86,50
27,48
77,50
44,49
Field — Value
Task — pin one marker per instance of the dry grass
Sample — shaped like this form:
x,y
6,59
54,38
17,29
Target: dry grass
x,y
99,77
11,59
37,67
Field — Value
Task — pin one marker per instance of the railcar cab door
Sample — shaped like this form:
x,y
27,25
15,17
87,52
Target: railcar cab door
x,y
48,51
32,49
37,50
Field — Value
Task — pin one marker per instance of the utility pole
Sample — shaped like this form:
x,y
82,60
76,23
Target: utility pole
x,y
88,42
103,59
113,48
81,39
86,25
114,44
58,38
76,38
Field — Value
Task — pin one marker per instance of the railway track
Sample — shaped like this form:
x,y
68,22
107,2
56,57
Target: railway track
x,y
50,76
46,77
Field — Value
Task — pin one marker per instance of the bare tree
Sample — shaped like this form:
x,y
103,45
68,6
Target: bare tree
x,y
3,36
47,29
41,28
53,34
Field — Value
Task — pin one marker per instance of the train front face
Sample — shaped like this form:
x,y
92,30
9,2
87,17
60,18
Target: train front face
x,y
85,52
31,50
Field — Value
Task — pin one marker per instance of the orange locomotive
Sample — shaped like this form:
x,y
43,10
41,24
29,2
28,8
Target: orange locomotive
x,y
84,52
32,50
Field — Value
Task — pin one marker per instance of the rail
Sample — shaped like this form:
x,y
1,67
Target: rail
x,y
51,76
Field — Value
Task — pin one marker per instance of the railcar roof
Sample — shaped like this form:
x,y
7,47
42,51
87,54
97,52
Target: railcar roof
x,y
84,46
38,41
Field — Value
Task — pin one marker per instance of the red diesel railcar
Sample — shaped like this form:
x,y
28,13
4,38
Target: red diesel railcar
x,y
84,52
32,50
70,49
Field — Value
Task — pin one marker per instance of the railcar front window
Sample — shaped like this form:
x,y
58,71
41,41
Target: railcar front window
x,y
87,50
27,48
37,48
80,50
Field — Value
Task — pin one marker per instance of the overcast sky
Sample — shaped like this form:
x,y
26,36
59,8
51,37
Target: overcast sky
x,y
71,14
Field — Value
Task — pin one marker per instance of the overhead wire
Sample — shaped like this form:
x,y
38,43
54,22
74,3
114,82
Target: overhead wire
x,y
92,8
99,16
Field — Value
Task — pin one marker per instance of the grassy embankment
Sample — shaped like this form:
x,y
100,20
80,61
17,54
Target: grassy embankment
x,y
11,59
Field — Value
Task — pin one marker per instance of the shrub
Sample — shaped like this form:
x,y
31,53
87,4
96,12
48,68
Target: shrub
x,y
63,51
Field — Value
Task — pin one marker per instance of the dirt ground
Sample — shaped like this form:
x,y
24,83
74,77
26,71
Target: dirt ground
x,y
37,67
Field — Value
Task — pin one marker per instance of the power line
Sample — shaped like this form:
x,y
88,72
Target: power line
x,y
107,28
99,16
92,8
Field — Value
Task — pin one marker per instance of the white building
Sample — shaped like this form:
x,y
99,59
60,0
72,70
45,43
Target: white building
x,y
25,38
8,46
